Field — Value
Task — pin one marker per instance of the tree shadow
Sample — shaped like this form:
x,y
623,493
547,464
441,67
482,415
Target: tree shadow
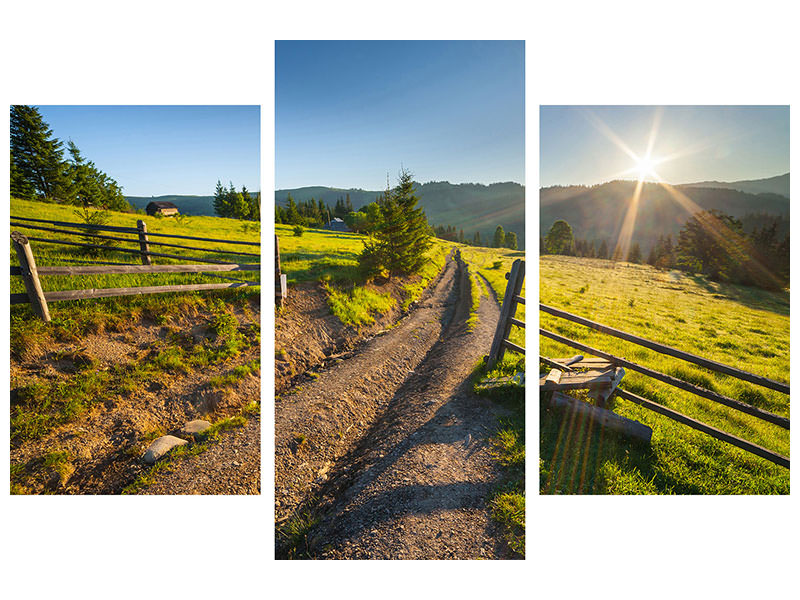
x,y
578,457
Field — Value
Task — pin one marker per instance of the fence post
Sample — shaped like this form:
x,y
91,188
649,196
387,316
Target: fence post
x,y
144,244
513,289
30,275
280,278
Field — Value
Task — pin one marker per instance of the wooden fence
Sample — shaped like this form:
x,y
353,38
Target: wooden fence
x,y
511,299
668,379
30,272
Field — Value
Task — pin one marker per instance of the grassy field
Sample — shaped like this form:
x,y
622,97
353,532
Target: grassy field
x,y
740,326
493,264
41,403
332,259
50,254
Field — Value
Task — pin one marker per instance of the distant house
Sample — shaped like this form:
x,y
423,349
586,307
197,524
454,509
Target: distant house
x,y
337,224
166,209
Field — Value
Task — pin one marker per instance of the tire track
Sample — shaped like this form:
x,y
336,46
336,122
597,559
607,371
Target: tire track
x,y
416,483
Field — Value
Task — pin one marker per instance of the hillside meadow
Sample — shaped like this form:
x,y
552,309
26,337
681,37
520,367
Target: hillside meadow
x,y
744,327
331,258
81,316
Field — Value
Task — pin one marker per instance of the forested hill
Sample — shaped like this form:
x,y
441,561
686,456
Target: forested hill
x,y
772,185
597,212
468,206
187,205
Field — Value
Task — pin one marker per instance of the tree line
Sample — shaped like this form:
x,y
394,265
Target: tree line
x,y
501,239
315,213
237,205
711,243
40,170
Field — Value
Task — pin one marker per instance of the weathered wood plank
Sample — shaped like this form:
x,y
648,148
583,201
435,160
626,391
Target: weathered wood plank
x,y
585,363
577,381
517,322
135,291
554,376
30,276
516,279
603,418
130,251
602,395
670,351
20,298
132,230
513,347
774,457
138,240
144,246
519,299
702,392
111,269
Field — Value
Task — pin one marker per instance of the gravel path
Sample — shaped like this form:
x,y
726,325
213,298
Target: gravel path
x,y
232,465
415,481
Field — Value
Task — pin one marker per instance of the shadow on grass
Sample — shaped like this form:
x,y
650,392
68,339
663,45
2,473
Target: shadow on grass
x,y
749,296
578,457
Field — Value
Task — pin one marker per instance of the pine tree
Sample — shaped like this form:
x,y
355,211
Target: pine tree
x,y
511,240
635,254
499,237
400,243
37,156
602,252
292,216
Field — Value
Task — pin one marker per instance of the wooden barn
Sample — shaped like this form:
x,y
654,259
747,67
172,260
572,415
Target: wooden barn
x,y
166,209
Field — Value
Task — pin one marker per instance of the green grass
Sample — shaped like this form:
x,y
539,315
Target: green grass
x,y
73,320
293,535
743,327
42,404
507,504
50,254
493,264
332,259
357,305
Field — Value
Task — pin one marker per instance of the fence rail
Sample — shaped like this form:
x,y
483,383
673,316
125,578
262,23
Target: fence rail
x,y
670,351
39,299
118,229
696,390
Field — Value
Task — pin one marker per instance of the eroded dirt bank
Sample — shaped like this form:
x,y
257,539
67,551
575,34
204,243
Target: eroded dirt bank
x,y
145,390
389,449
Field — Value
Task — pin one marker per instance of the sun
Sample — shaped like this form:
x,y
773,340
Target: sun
x,y
645,168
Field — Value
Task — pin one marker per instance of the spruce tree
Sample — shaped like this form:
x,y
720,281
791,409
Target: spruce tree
x,y
499,237
37,156
399,244
602,252
511,240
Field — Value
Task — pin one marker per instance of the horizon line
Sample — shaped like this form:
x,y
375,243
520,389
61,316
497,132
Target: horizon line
x,y
541,187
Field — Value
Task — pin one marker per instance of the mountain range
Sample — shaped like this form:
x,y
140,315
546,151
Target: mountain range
x,y
597,212
771,185
468,206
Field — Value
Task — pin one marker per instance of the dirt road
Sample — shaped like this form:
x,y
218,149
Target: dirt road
x,y
389,449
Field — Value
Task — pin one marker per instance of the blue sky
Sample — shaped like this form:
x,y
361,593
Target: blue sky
x,y
158,150
584,145
348,113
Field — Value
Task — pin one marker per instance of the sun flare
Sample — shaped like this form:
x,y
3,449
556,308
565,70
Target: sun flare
x,y
645,168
